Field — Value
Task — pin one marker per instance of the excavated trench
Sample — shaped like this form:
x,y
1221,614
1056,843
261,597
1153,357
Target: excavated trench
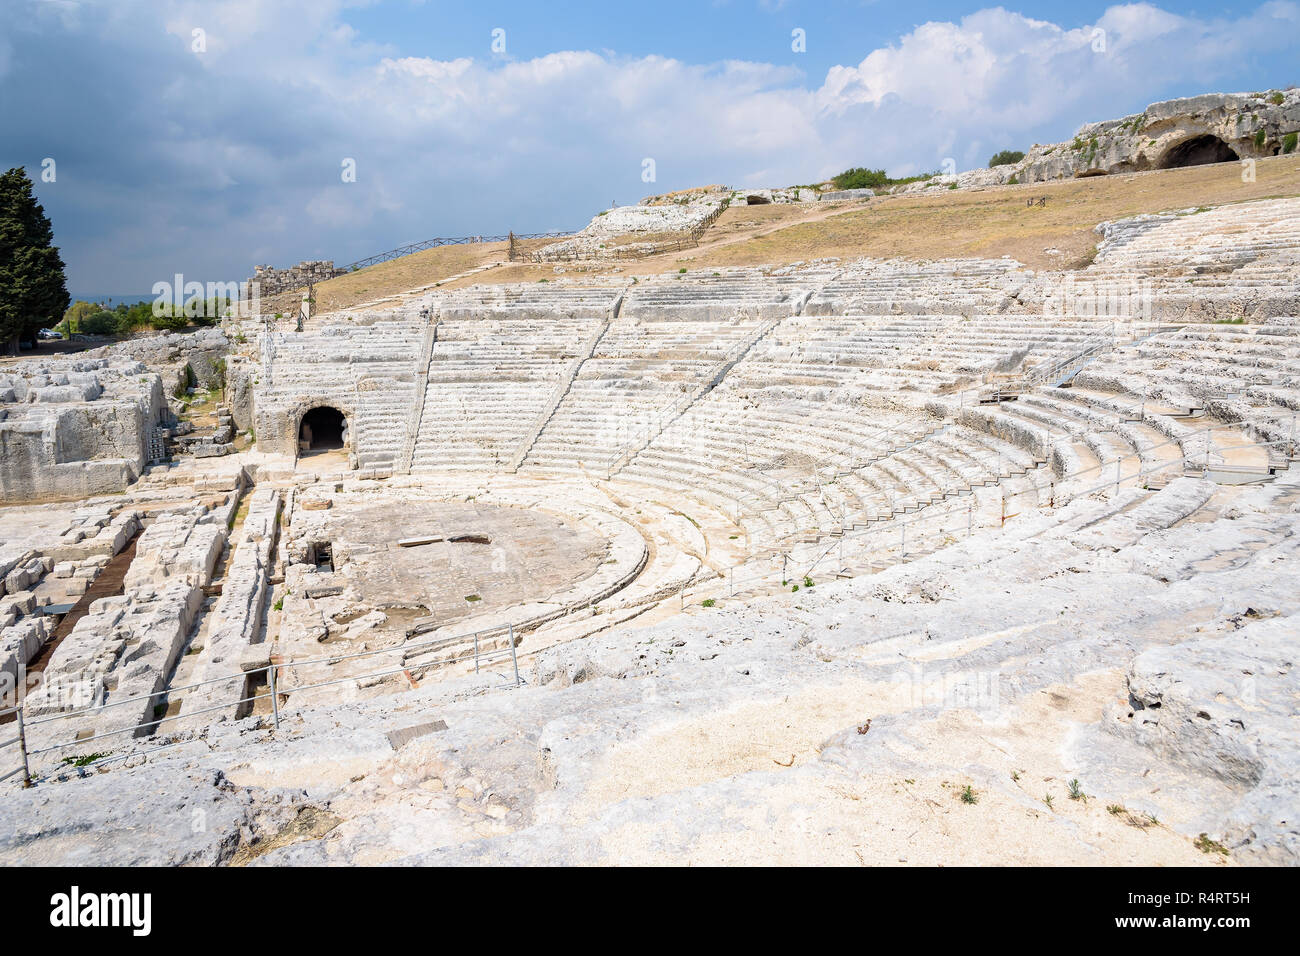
x,y
108,583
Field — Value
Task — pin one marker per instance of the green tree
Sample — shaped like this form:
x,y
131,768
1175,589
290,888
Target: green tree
x,y
77,313
860,178
101,323
33,291
1006,157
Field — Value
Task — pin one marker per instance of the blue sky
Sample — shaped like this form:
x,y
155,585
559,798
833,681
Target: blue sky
x,y
205,153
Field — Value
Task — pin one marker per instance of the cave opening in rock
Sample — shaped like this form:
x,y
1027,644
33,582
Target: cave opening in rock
x,y
1198,151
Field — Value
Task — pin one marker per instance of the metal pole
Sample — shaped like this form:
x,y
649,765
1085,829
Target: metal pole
x,y
476,652
275,702
1117,473
970,515
514,659
22,745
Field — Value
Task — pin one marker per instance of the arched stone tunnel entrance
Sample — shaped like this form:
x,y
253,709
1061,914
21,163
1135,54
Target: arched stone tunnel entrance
x,y
1198,151
322,429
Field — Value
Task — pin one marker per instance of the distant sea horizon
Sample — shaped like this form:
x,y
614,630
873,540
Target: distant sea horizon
x,y
111,300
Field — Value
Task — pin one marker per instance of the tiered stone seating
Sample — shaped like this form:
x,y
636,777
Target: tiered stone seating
x,y
593,299
488,381
1220,263
367,364
948,463
791,461
1243,373
1098,439
962,286
640,371
927,353
767,369
1103,436
744,454
718,295
1207,246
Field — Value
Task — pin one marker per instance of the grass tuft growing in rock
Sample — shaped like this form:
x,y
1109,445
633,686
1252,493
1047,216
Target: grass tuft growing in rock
x,y
1206,845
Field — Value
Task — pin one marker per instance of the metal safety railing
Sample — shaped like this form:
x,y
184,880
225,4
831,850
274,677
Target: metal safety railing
x,y
413,247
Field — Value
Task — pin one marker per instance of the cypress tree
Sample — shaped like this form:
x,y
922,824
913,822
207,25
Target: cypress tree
x,y
33,291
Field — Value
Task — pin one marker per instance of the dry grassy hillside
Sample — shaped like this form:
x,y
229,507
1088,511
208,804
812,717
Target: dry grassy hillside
x,y
408,272
990,222
997,221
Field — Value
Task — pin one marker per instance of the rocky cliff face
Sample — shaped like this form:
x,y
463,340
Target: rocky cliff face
x,y
1216,127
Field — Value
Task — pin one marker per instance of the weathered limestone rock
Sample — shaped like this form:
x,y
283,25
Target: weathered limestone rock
x,y
840,195
1215,127
240,612
18,643
1218,706
120,819
211,449
124,649
75,433
240,378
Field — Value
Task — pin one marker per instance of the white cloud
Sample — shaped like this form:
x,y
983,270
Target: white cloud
x,y
996,67
233,154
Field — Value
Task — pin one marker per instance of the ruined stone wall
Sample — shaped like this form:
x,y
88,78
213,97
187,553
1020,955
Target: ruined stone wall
x,y
182,358
51,568
279,409
272,281
73,430
239,612
364,367
126,646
